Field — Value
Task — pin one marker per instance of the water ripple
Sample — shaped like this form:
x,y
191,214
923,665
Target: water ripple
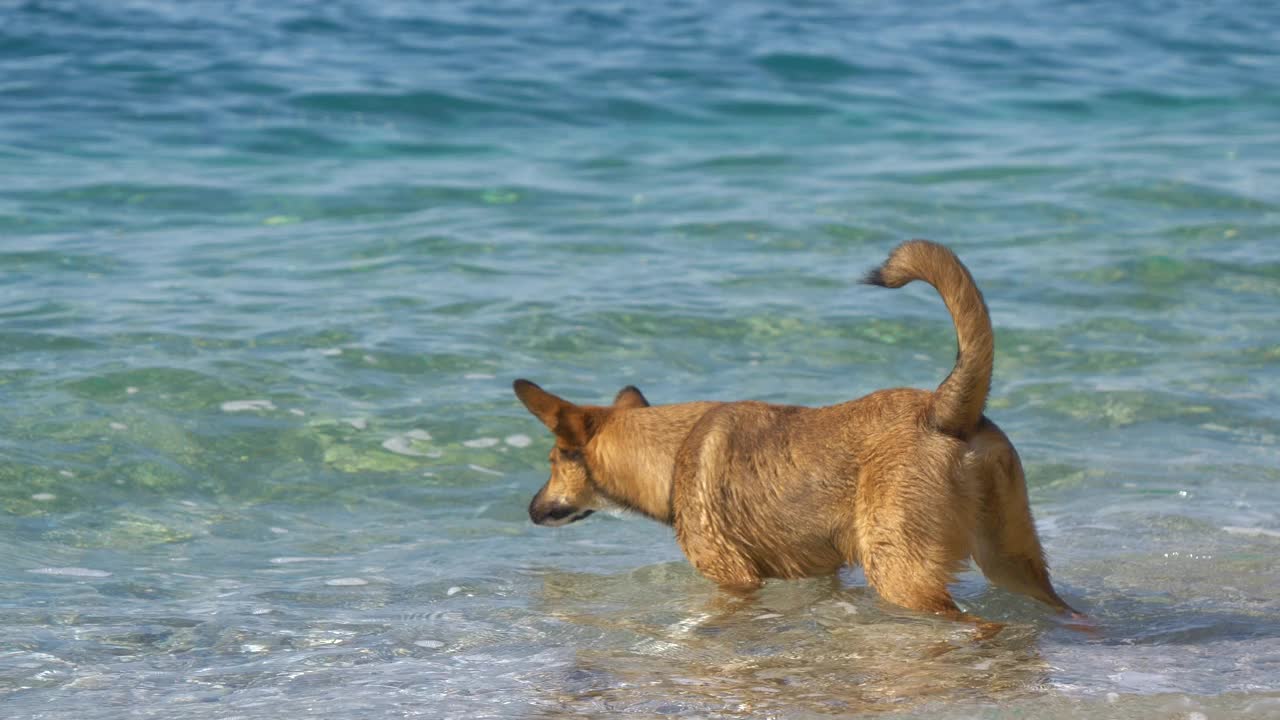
x,y
267,273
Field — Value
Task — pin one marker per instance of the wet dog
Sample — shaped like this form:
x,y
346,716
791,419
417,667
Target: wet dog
x,y
907,483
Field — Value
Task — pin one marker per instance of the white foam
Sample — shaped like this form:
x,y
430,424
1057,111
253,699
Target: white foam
x,y
1144,682
357,423
330,352
44,497
292,560
403,445
346,582
479,376
685,627
481,442
119,426
246,405
429,643
297,412
848,607
418,434
66,473
518,440
453,591
278,530
70,572
131,390
94,681
486,470
1263,532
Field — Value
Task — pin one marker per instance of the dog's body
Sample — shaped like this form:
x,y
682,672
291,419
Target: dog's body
x,y
906,483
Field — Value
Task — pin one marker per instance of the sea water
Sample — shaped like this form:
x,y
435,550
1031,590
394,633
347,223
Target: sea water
x,y
267,271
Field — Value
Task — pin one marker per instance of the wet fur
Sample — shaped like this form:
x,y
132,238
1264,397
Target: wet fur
x,y
909,484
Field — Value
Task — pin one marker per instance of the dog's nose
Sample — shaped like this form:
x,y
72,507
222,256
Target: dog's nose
x,y
551,513
542,512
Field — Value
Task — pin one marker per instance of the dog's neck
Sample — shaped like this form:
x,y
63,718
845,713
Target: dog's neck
x,y
632,456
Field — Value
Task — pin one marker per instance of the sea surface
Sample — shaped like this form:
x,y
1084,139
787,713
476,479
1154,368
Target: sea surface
x,y
268,269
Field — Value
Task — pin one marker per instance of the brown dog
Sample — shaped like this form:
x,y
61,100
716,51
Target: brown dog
x,y
907,483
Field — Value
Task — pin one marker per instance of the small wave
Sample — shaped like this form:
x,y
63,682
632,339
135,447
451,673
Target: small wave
x,y
232,406
71,572
803,67
771,108
421,105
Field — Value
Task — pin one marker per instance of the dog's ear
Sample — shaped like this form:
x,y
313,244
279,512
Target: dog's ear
x,y
629,397
562,417
544,406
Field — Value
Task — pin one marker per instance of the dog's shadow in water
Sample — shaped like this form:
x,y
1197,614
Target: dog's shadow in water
x,y
663,640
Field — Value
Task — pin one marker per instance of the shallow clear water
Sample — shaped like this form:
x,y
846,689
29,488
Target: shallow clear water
x,y
266,273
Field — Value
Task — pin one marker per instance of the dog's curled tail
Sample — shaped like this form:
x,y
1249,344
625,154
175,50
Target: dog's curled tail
x,y
958,401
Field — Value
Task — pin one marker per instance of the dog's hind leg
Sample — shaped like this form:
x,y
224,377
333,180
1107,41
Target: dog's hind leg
x,y
908,542
903,580
916,578
1005,543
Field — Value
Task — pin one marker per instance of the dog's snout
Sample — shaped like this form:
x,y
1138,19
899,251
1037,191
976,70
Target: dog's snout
x,y
554,513
541,513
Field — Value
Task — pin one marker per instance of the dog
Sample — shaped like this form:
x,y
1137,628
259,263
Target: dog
x,y
907,483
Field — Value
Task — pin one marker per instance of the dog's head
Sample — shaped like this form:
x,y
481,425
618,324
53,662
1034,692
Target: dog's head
x,y
571,493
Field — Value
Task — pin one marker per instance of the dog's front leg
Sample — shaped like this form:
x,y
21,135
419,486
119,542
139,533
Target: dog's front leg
x,y
717,558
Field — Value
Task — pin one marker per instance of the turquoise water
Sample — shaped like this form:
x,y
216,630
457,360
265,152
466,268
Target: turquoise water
x,y
267,271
